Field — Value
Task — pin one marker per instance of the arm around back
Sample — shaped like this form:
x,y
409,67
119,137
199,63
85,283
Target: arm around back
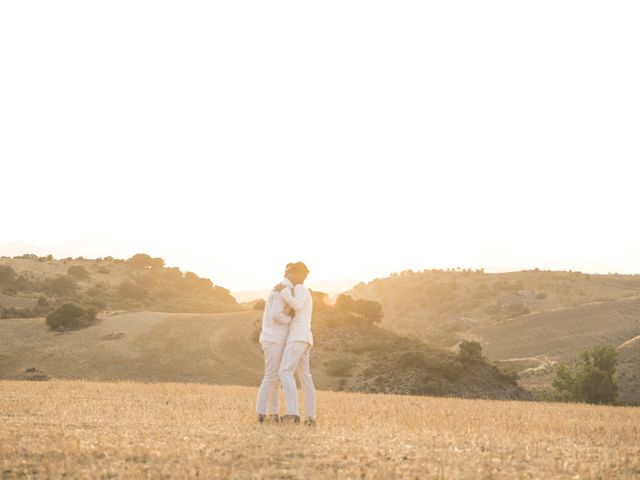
x,y
297,302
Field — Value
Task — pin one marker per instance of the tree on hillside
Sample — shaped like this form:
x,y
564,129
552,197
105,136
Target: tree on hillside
x,y
369,309
469,351
7,274
142,260
344,303
592,379
71,316
78,271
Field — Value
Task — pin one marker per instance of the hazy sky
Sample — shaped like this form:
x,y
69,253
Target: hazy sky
x,y
361,137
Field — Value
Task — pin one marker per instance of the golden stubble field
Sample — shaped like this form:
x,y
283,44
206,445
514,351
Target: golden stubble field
x,y
78,429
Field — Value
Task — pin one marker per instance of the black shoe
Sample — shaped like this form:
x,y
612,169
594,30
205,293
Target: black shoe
x,y
291,419
261,417
274,418
309,422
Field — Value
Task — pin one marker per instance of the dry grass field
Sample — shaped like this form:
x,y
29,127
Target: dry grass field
x,y
77,429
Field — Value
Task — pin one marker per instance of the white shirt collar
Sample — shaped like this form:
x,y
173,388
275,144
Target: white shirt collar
x,y
287,282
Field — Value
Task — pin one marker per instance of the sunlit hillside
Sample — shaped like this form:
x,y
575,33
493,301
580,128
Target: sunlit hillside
x,y
169,430
528,321
32,286
440,306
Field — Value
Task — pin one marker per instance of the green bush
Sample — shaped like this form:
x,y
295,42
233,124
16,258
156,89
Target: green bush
x,y
78,271
469,351
7,274
592,379
368,310
344,303
71,316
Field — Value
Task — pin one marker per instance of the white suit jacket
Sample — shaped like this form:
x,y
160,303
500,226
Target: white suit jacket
x,y
275,323
301,302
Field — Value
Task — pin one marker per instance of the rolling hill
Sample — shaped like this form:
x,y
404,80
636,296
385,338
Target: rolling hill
x,y
32,286
526,321
440,306
561,334
532,344
222,349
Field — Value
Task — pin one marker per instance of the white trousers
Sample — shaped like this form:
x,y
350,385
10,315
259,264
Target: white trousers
x,y
295,359
269,391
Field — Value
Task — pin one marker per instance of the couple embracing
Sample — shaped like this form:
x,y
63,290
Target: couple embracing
x,y
286,340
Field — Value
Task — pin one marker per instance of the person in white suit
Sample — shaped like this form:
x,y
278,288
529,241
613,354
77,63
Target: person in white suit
x,y
295,358
275,328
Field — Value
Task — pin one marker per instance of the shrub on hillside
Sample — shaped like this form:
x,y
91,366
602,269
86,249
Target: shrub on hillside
x,y
62,285
469,351
7,274
71,316
78,271
369,310
592,379
344,303
133,291
259,304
